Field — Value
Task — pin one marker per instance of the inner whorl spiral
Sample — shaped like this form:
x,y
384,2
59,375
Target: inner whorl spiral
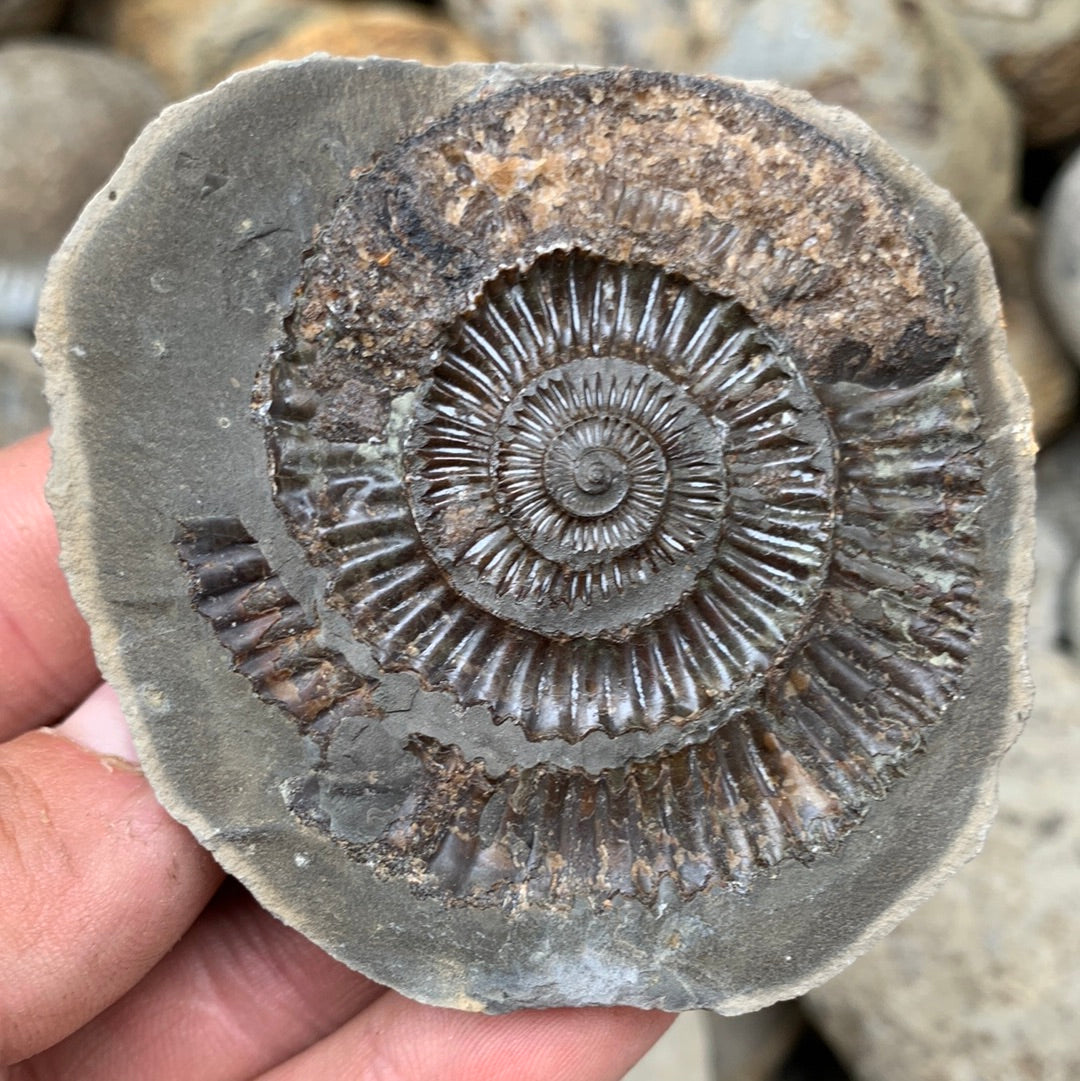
x,y
575,543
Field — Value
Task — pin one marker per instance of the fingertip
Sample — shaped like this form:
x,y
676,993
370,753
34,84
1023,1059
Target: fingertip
x,y
99,726
48,665
400,1038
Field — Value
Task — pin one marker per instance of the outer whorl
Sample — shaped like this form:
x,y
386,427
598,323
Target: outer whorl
x,y
623,509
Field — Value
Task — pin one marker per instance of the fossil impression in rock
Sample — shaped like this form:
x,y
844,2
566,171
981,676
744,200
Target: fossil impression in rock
x,y
559,539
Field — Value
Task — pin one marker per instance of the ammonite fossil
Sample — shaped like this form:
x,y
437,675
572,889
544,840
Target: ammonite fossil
x,y
560,537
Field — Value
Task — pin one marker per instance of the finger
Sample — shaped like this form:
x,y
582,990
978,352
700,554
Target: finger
x,y
240,993
98,883
99,726
48,667
399,1040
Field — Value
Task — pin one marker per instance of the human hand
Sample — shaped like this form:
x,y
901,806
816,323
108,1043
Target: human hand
x,y
122,955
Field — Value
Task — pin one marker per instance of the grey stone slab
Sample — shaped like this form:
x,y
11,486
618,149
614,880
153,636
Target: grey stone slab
x,y
259,338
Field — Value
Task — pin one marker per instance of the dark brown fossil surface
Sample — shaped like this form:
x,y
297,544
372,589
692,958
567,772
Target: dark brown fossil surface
x,y
558,538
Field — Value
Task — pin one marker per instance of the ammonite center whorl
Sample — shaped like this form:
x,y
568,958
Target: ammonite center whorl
x,y
571,542
557,540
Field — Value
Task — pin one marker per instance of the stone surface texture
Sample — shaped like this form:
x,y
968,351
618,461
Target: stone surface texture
x,y
1035,47
1058,259
983,982
1049,376
67,114
589,513
23,409
902,65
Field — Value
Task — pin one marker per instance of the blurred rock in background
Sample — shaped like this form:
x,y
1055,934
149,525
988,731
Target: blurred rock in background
x,y
1035,47
983,982
193,44
753,1046
28,16
681,1052
394,30
22,401
706,1047
1059,252
665,34
186,42
1051,379
68,111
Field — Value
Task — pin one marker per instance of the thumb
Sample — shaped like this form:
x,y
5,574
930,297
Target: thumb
x,y
98,881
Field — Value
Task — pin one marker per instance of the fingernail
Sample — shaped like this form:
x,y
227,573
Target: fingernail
x,y
99,726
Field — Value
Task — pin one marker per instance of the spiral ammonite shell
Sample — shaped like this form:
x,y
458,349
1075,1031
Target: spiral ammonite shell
x,y
572,539
628,534
626,506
